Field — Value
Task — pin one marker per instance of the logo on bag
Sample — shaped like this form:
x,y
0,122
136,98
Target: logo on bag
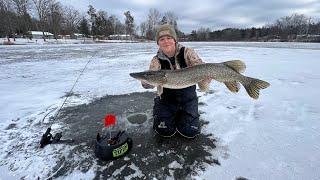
x,y
120,150
162,125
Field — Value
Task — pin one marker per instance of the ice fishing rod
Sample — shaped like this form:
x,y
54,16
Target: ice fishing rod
x,y
47,137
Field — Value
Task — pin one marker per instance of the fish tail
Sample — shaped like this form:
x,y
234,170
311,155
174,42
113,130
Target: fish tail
x,y
253,87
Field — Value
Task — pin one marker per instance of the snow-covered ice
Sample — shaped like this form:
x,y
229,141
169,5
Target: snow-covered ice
x,y
274,137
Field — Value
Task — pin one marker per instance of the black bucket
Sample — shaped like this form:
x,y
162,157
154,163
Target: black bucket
x,y
113,146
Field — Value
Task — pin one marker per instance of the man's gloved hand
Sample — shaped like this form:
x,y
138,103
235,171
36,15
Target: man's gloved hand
x,y
146,86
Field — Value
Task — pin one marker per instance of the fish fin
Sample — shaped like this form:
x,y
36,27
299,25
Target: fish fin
x,y
236,65
204,86
159,90
233,86
254,86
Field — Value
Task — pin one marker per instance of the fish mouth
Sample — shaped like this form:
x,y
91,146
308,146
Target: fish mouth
x,y
148,75
133,74
136,75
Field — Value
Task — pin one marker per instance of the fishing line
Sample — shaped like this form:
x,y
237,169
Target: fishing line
x,y
47,137
69,93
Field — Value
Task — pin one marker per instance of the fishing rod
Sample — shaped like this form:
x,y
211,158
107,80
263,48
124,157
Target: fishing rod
x,y
47,137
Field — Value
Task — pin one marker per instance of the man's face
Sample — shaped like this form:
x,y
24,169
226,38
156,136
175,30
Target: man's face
x,y
167,45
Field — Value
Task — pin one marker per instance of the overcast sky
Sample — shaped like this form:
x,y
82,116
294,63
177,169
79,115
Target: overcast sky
x,y
212,14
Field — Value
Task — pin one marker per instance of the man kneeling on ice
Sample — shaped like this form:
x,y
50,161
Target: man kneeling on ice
x,y
175,110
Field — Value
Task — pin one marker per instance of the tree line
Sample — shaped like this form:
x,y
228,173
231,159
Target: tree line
x,y
296,27
19,17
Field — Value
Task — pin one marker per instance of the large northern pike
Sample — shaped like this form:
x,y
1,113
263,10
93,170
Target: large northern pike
x,y
227,72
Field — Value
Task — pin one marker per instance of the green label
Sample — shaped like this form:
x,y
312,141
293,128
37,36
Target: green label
x,y
120,150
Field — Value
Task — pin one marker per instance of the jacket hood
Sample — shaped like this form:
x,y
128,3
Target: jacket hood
x,y
161,54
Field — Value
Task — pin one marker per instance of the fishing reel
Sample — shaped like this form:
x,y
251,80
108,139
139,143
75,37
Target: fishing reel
x,y
48,138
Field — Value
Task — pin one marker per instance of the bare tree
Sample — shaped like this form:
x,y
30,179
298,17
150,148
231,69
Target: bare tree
x,y
43,10
203,34
56,18
153,22
102,23
111,29
24,19
8,18
120,27
143,28
171,18
292,25
72,19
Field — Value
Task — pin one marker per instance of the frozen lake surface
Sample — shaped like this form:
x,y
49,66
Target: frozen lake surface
x,y
274,137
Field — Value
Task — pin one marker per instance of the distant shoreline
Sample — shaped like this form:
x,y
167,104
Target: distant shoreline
x,y
23,41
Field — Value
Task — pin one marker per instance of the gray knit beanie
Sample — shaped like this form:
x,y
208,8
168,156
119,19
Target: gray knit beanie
x,y
166,29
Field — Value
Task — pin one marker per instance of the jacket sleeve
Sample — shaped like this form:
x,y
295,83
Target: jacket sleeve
x,y
192,57
154,66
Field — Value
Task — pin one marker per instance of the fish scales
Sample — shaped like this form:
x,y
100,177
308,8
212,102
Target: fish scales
x,y
192,75
228,72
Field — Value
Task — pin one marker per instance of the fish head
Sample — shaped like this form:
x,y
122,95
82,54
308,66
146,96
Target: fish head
x,y
154,78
